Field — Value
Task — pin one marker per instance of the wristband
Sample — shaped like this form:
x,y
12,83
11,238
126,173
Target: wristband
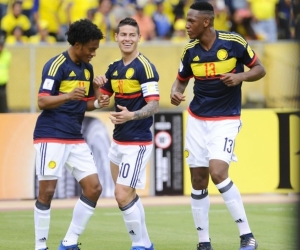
x,y
96,104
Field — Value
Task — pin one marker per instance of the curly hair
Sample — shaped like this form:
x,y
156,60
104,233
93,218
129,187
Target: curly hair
x,y
128,21
83,31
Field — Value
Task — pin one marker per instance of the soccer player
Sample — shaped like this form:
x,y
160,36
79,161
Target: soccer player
x,y
66,92
215,59
134,81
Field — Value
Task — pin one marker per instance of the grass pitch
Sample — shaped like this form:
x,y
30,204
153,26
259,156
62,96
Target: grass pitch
x,y
170,228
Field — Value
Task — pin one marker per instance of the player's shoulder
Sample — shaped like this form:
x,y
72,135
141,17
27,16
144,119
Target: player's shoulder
x,y
142,62
231,37
55,63
191,44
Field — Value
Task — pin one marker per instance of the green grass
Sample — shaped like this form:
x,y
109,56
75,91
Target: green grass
x,y
170,228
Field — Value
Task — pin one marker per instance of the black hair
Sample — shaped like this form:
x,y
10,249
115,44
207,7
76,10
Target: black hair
x,y
128,21
83,31
202,6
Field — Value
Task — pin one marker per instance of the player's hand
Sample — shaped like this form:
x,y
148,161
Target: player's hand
x,y
177,98
121,117
231,79
77,94
99,81
103,101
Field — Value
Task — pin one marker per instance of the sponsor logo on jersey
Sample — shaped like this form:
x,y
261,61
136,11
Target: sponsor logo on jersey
x,y
72,74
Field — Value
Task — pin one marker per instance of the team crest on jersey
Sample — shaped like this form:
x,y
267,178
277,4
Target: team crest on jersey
x,y
129,73
87,74
222,54
186,153
52,164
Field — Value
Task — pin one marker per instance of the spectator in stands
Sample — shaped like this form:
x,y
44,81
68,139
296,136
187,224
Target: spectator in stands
x,y
179,34
3,8
146,24
241,18
17,37
42,37
222,15
284,19
105,19
48,11
264,14
163,25
78,9
5,59
15,18
296,19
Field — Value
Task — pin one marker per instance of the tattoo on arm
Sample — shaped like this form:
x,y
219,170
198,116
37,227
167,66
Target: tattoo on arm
x,y
148,110
179,86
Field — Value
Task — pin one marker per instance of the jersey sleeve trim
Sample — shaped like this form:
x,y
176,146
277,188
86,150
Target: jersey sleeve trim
x,y
183,79
252,62
152,98
105,92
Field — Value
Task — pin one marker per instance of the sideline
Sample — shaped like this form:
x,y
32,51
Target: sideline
x,y
9,205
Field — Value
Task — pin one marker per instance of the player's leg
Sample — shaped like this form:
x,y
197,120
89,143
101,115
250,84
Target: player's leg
x,y
128,171
196,156
85,173
42,212
221,148
49,162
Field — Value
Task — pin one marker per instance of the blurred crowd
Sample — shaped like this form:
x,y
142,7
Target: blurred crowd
x,y
46,21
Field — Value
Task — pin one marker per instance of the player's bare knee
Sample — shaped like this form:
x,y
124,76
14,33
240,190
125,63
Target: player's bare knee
x,y
218,177
199,182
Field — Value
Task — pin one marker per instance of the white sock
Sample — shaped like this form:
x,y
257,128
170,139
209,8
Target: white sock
x,y
234,203
145,236
200,207
132,219
81,214
41,226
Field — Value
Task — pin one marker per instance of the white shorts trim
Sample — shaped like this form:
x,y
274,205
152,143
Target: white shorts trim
x,y
52,157
206,140
132,161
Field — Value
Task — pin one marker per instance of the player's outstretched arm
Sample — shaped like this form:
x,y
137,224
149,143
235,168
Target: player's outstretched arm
x,y
125,115
52,102
177,91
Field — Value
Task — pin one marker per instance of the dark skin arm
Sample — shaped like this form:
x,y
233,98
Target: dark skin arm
x,y
177,91
256,72
52,102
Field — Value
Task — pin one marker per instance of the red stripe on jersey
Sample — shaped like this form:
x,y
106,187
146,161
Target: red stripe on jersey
x,y
128,96
105,92
57,140
133,142
44,94
152,98
253,61
213,118
183,79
